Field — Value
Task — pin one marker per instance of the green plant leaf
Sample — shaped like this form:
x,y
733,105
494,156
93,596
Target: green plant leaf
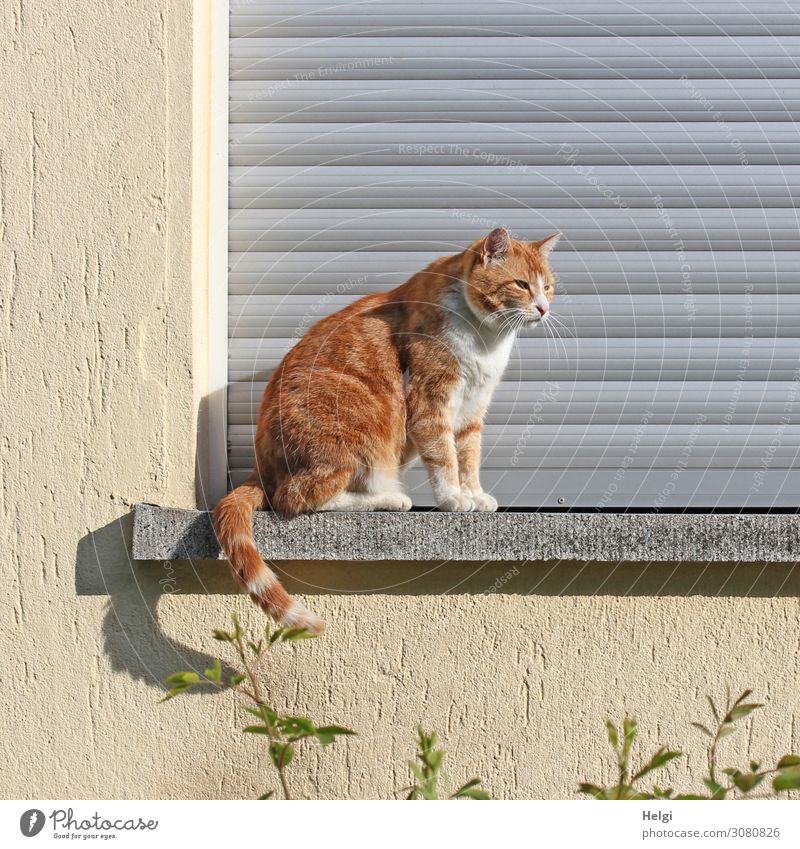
x,y
703,728
434,759
215,672
717,790
788,778
662,757
237,628
473,792
326,734
236,680
295,727
630,730
268,714
747,781
740,712
222,636
788,760
281,753
292,634
663,794
175,691
268,795
256,729
714,712
593,790
416,771
182,678
742,697
613,736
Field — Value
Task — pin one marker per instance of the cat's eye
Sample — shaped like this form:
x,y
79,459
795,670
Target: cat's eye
x,y
523,284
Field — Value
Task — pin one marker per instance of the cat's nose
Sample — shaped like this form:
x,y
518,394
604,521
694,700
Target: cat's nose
x,y
542,310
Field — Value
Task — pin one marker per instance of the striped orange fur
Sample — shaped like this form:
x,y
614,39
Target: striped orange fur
x,y
396,374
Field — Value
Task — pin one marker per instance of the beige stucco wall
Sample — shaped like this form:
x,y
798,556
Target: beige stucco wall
x,y
100,388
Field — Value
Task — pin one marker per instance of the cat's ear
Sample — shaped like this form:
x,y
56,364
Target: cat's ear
x,y
544,246
496,246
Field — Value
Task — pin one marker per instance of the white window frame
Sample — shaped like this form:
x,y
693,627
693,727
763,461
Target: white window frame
x,y
216,480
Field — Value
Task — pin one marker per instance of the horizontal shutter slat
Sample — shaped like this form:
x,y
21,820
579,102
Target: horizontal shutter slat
x,y
350,187
586,272
515,101
513,57
442,231
514,146
522,18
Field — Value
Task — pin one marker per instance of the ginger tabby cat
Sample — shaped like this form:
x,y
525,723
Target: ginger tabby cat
x,y
394,375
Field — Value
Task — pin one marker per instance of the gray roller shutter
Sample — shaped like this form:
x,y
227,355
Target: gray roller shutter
x,y
366,138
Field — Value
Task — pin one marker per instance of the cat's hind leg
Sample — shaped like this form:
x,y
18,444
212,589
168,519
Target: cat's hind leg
x,y
307,490
371,489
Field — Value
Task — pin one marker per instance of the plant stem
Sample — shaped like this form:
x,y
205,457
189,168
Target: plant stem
x,y
257,698
712,756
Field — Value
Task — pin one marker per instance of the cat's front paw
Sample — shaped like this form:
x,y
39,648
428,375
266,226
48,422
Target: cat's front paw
x,y
483,502
458,502
395,502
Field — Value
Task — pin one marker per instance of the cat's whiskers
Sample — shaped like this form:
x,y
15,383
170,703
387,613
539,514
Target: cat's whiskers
x,y
559,324
552,336
562,325
507,317
548,333
500,315
559,344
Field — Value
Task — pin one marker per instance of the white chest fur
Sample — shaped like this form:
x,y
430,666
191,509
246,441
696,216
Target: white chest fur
x,y
482,358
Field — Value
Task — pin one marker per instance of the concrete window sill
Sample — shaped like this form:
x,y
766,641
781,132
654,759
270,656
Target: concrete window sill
x,y
166,533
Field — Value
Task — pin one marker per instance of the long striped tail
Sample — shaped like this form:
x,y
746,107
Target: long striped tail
x,y
233,524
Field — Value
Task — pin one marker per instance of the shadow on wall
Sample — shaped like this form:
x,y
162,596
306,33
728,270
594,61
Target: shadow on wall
x,y
133,637
137,645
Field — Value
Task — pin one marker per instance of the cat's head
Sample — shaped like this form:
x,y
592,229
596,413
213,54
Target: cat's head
x,y
509,284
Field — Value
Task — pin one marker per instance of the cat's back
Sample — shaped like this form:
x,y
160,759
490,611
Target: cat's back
x,y
366,325
354,349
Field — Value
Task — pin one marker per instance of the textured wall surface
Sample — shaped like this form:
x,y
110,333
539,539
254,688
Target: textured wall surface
x,y
515,665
